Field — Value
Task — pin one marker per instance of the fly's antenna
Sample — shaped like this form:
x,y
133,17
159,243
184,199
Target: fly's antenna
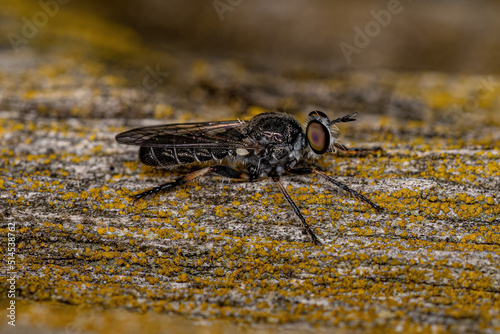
x,y
335,131
344,119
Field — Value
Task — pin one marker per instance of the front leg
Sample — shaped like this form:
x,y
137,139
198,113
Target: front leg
x,y
305,171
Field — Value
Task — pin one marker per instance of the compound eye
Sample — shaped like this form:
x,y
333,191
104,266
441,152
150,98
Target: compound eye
x,y
318,113
318,137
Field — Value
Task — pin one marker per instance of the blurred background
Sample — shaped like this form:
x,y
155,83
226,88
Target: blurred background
x,y
179,59
446,35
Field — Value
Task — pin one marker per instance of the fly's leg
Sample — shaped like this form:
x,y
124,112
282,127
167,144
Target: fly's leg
x,y
304,171
295,208
215,169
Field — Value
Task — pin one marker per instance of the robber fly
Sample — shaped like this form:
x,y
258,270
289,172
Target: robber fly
x,y
269,145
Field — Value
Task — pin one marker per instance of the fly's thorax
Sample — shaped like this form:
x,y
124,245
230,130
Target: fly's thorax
x,y
281,143
273,129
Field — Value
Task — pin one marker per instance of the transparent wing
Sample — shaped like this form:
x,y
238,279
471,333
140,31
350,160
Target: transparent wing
x,y
224,134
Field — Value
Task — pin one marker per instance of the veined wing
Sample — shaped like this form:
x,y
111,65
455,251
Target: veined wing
x,y
224,134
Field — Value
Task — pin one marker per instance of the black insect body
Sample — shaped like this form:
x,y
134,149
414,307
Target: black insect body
x,y
269,145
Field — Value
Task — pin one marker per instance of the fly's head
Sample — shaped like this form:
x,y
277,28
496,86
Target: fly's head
x,y
321,133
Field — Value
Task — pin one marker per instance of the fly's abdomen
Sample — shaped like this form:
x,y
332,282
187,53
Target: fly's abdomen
x,y
168,157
